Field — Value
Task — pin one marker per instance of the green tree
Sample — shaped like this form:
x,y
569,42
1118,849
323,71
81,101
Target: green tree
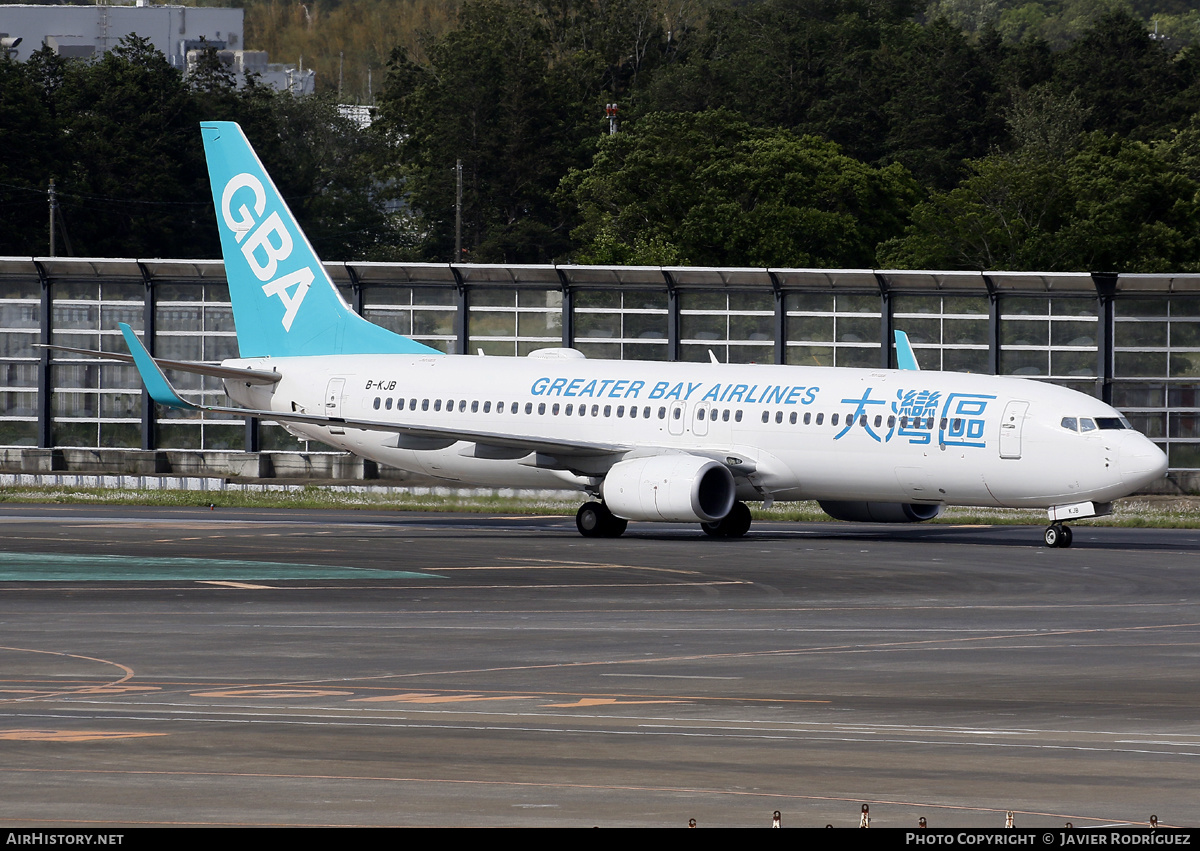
x,y
132,170
1110,204
1129,81
491,97
938,108
31,143
120,136
711,189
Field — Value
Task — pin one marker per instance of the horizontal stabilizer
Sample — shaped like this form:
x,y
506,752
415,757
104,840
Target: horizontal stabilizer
x,y
250,376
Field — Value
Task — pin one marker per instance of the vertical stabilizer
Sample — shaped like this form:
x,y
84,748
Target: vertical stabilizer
x,y
284,304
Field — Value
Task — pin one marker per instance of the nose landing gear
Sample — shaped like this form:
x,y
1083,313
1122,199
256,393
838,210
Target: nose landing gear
x,y
1058,535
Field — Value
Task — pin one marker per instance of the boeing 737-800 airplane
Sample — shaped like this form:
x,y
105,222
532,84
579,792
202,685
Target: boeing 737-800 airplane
x,y
679,442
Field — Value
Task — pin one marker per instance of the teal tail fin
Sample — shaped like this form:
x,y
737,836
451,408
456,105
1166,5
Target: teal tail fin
x,y
284,304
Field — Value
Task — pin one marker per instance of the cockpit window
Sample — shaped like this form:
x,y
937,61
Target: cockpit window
x,y
1086,424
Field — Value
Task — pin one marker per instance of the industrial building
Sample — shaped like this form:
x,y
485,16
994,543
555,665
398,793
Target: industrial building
x,y
87,31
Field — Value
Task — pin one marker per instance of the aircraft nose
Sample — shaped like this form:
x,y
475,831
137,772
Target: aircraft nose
x,y
1143,461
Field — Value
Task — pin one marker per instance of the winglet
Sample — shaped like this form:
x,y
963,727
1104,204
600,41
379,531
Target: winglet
x,y
905,359
160,389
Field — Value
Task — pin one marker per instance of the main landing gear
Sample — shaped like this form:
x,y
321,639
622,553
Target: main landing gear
x,y
733,525
594,520
1058,535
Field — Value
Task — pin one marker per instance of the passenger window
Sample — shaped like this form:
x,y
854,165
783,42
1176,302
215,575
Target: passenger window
x,y
891,422
675,414
377,403
570,409
462,406
807,417
766,416
943,423
387,404
820,419
833,420
608,410
878,421
554,409
424,404
514,407
737,417
541,408
792,418
633,411
779,416
529,407
437,404
620,410
474,406
595,410
646,412
487,407
725,416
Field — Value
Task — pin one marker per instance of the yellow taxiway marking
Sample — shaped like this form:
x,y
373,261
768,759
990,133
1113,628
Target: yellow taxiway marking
x,y
115,689
428,697
83,690
230,584
566,565
116,683
273,693
604,701
68,735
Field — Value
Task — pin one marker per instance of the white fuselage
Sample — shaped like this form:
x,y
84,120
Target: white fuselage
x,y
829,433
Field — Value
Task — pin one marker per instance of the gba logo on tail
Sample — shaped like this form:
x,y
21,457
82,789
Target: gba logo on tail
x,y
269,245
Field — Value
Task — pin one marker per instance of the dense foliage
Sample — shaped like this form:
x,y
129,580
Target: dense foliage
x,y
797,132
1049,134
121,139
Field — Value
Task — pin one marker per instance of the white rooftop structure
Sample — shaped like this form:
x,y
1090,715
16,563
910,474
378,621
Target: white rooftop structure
x,y
84,31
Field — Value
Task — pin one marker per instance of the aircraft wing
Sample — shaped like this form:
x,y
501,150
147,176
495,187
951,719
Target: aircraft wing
x,y
163,393
553,445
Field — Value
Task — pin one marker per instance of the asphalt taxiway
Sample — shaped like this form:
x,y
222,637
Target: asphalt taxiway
x,y
184,666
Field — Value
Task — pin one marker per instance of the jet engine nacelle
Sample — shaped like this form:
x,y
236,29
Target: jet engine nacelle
x,y
675,488
880,512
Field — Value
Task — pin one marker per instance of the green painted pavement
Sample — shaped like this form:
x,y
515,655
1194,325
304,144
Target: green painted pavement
x,y
51,567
